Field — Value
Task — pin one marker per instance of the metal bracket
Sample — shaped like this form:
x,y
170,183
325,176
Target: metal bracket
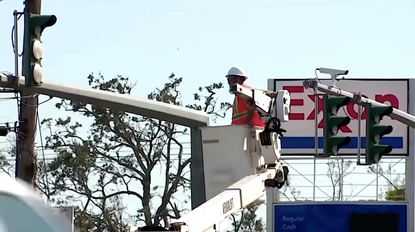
x,y
357,97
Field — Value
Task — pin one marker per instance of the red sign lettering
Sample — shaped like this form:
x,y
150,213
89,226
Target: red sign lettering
x,y
350,108
295,102
392,99
320,103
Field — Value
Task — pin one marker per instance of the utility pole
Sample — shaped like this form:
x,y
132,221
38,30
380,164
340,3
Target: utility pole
x,y
26,160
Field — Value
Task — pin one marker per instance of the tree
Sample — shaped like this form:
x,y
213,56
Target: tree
x,y
396,186
288,191
338,169
5,155
209,104
248,221
119,158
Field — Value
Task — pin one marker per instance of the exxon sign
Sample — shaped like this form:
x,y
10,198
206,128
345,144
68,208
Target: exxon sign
x,y
300,136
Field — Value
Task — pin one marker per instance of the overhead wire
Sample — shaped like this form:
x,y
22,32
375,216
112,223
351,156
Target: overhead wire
x,y
43,157
15,97
43,102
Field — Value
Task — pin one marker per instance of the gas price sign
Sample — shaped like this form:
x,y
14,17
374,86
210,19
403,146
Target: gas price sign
x,y
340,217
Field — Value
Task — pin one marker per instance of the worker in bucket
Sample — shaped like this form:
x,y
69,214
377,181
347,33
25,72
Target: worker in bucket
x,y
243,112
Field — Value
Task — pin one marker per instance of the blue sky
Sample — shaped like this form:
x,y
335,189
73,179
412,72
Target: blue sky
x,y
201,40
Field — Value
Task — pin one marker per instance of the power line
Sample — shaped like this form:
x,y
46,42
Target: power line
x,y
10,158
43,155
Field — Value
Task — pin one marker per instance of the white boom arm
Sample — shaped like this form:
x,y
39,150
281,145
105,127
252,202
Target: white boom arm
x,y
212,215
268,104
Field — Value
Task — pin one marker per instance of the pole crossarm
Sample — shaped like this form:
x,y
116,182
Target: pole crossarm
x,y
399,115
149,108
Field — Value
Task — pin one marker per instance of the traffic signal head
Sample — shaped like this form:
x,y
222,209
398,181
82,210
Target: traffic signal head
x,y
332,124
374,132
34,26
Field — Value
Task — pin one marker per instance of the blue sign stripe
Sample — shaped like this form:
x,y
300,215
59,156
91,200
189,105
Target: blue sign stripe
x,y
308,142
340,217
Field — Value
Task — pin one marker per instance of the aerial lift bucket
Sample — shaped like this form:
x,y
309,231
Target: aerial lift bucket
x,y
228,156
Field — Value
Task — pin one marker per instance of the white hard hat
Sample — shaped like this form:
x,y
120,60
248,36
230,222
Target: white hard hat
x,y
236,71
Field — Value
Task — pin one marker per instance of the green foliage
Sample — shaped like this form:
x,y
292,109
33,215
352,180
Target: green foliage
x,y
248,221
119,156
7,154
396,183
5,165
210,101
395,194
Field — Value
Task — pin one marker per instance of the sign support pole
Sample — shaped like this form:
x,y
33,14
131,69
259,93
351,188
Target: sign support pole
x,y
316,140
270,201
410,162
359,132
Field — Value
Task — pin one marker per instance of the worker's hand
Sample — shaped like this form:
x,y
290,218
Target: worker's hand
x,y
252,131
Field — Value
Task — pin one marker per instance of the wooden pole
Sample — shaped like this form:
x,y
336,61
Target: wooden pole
x,y
26,160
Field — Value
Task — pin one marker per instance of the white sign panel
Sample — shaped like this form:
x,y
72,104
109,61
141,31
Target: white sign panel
x,y
300,136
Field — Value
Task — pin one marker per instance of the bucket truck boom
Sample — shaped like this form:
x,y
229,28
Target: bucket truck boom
x,y
213,215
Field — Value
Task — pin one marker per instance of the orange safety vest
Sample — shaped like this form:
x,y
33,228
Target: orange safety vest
x,y
240,112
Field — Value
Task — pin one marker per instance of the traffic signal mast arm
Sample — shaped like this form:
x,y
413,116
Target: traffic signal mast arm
x,y
397,114
151,108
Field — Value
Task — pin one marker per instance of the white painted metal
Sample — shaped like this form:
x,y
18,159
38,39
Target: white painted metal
x,y
226,157
270,221
232,153
19,202
209,216
269,103
151,108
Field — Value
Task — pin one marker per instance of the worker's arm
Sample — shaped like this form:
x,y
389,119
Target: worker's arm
x,y
250,113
